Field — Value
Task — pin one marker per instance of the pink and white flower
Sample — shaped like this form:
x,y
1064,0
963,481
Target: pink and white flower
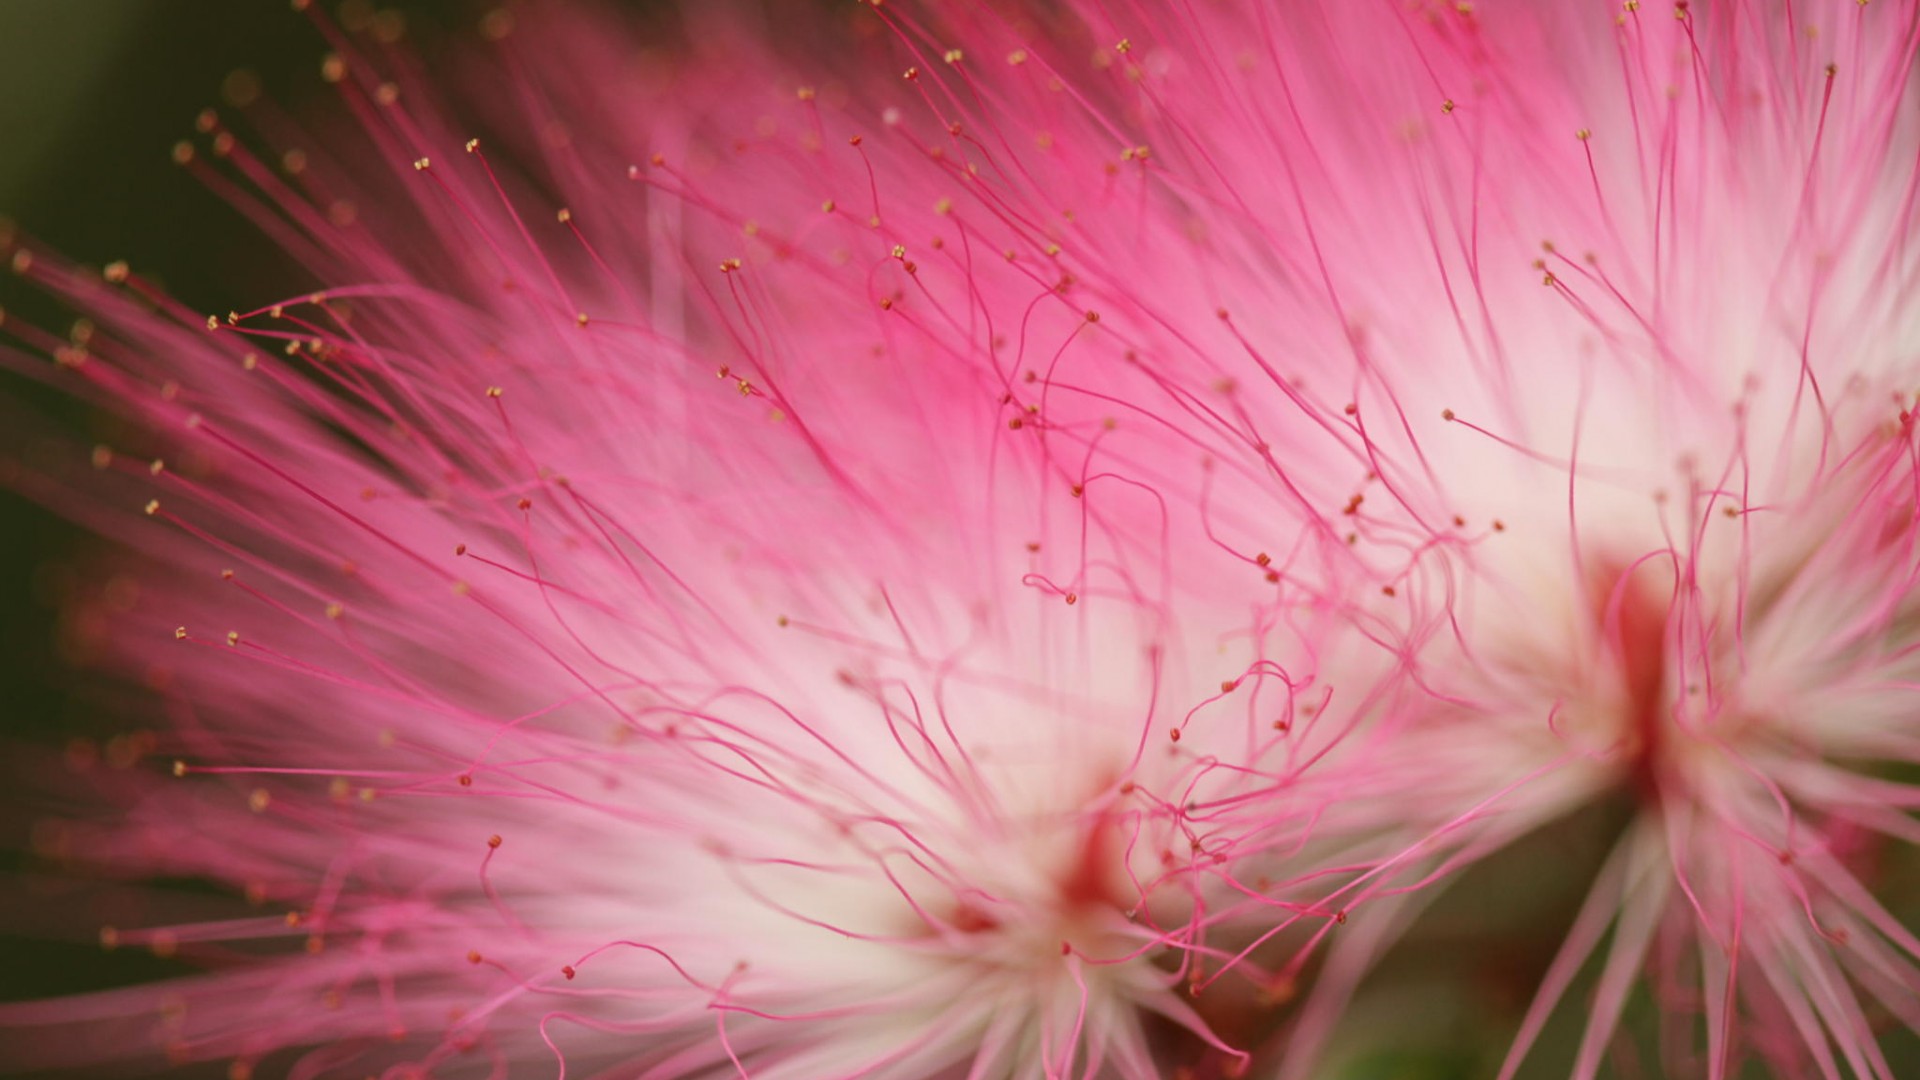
x,y
1181,481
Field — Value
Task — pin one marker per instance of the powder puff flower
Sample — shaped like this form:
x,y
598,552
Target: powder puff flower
x,y
1179,481
1632,369
713,579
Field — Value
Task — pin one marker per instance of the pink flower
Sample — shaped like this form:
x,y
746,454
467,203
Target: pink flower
x,y
1182,480
1631,372
881,707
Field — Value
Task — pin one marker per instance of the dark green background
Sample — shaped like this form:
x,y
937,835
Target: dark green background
x,y
93,95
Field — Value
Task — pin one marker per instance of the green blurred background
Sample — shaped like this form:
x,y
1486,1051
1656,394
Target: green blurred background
x,y
93,95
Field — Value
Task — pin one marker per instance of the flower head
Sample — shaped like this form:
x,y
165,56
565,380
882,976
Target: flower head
x,y
1647,511
742,618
